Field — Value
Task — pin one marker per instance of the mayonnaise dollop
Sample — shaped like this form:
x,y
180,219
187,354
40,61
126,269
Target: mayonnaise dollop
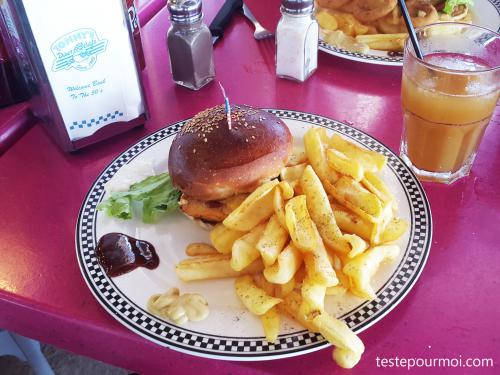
x,y
178,308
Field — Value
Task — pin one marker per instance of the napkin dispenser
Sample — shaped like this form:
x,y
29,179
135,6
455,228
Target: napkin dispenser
x,y
84,65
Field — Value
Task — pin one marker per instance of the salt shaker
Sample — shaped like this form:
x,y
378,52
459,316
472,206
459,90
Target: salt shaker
x,y
297,40
189,45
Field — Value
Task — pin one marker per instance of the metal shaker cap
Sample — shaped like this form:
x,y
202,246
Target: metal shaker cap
x,y
184,11
297,6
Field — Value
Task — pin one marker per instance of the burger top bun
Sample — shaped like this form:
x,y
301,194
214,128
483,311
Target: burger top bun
x,y
208,160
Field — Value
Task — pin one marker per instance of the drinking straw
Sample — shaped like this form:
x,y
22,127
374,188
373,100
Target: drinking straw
x,y
227,107
411,30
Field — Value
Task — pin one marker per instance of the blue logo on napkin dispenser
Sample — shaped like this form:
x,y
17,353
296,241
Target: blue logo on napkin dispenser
x,y
77,49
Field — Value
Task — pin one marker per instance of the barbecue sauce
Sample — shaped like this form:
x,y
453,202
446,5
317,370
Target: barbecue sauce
x,y
118,254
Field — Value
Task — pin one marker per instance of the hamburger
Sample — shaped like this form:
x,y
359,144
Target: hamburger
x,y
453,10
216,164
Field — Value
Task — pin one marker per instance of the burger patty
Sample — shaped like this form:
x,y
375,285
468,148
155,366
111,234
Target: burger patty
x,y
211,211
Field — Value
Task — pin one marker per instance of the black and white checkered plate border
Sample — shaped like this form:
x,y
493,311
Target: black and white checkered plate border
x,y
379,59
362,57
253,348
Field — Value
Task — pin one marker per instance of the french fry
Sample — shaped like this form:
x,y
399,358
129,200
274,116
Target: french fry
x,y
388,45
232,203
336,262
372,161
380,226
285,267
257,207
313,298
223,238
200,248
271,323
299,224
244,249
327,21
318,266
383,42
375,184
293,173
291,305
256,300
214,266
345,165
272,241
344,189
346,358
333,330
358,246
337,290
279,207
298,157
361,269
350,222
286,190
355,197
348,347
337,38
349,24
378,37
336,20
338,333
316,154
319,269
344,281
364,226
394,230
321,212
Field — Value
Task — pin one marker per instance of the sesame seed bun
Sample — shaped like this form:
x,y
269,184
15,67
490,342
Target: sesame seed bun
x,y
209,161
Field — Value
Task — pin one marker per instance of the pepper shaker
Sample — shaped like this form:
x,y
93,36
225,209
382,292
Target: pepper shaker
x,y
297,36
189,45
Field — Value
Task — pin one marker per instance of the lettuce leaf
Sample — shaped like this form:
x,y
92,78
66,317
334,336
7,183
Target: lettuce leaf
x,y
118,205
157,194
157,205
451,4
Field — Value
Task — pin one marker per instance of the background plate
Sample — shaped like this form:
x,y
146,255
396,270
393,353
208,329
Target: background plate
x,y
230,332
485,13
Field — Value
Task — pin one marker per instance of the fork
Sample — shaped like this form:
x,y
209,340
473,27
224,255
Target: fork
x,y
260,32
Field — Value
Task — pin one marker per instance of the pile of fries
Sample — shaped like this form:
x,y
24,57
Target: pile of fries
x,y
343,30
321,229
360,25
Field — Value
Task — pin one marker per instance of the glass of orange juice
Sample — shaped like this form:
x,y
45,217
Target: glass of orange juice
x,y
448,98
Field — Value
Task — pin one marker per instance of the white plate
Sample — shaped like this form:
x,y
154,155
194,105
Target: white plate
x,y
230,332
485,13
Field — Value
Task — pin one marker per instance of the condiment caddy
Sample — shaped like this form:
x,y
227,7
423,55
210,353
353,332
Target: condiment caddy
x,y
72,54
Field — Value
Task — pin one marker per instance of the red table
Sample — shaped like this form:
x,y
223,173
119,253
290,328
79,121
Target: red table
x,y
452,311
